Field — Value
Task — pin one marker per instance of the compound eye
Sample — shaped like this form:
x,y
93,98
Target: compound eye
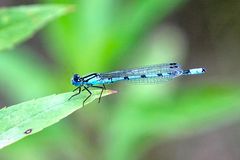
x,y
76,77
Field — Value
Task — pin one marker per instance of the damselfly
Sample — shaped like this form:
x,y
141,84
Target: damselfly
x,y
149,74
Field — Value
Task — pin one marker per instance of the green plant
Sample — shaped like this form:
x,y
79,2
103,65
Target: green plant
x,y
21,120
103,36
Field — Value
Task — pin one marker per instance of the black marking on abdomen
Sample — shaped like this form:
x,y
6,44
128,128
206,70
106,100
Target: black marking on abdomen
x,y
186,71
170,73
172,63
143,76
203,70
110,80
126,78
159,74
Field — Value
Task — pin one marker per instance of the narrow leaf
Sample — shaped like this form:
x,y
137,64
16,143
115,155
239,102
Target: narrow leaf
x,y
21,120
19,23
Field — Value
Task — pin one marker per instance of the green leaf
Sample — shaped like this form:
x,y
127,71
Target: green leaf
x,y
21,120
19,23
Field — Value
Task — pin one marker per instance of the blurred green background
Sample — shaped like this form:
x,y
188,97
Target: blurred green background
x,y
195,117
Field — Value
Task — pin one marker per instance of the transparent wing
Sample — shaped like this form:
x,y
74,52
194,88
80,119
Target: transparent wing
x,y
167,71
152,69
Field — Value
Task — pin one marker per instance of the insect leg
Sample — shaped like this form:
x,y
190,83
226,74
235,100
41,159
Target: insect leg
x,y
90,93
75,89
79,91
103,88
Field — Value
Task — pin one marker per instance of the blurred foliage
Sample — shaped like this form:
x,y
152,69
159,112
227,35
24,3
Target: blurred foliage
x,y
19,23
102,36
191,111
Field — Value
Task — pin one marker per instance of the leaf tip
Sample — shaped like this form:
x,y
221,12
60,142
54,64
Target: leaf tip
x,y
111,92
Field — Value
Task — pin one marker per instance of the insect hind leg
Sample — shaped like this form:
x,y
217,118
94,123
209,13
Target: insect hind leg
x,y
103,88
